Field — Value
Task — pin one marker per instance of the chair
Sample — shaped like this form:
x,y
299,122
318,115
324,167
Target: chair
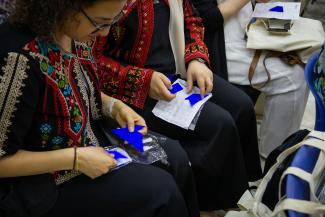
x,y
306,157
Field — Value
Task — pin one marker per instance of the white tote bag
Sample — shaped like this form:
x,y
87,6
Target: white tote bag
x,y
252,206
306,37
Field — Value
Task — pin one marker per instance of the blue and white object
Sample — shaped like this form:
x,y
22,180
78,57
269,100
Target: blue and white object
x,y
180,111
133,138
277,10
122,157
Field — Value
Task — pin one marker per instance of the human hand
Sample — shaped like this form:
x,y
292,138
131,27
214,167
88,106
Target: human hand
x,y
94,161
200,73
160,86
126,116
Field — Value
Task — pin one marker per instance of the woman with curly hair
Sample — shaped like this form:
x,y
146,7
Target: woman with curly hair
x,y
52,160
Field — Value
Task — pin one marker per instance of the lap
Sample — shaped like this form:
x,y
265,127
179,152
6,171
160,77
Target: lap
x,y
133,186
229,97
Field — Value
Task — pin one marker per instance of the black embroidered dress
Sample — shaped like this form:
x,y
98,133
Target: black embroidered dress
x,y
50,100
44,102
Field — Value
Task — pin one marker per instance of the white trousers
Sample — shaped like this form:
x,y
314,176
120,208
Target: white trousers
x,y
286,99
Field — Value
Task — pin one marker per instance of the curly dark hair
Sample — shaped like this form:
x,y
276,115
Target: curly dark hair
x,y
43,17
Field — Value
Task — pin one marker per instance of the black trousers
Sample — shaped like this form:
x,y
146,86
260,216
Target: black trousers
x,y
250,91
223,147
133,191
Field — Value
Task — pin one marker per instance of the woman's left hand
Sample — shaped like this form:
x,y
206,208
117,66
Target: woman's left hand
x,y
200,73
126,116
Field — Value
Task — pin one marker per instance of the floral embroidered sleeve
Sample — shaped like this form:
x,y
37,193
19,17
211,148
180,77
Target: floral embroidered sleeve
x,y
194,35
18,99
125,82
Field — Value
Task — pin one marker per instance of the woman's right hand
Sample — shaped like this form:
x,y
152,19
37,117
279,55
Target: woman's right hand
x,y
94,161
160,86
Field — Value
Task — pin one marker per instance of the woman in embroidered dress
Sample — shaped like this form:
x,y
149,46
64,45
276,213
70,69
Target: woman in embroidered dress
x,y
134,61
50,106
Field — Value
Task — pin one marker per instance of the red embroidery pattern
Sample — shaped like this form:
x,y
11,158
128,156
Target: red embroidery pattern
x,y
130,83
142,42
196,50
62,88
195,47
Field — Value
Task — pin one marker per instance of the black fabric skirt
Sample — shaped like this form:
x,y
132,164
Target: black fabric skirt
x,y
135,190
223,147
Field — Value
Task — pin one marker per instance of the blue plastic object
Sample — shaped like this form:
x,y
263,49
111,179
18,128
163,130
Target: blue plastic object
x,y
117,155
135,138
277,9
194,98
306,157
176,88
170,77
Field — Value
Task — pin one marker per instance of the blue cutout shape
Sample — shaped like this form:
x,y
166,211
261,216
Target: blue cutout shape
x,y
134,139
176,88
117,155
277,9
195,98
170,77
138,127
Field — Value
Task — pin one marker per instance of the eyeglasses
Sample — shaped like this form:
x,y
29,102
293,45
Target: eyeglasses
x,y
100,27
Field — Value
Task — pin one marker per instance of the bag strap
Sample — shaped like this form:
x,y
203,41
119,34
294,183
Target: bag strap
x,y
310,141
252,68
317,134
316,143
301,206
253,65
262,187
254,204
302,174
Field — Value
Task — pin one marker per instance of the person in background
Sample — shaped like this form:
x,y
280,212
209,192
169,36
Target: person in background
x,y
214,16
286,92
52,160
134,61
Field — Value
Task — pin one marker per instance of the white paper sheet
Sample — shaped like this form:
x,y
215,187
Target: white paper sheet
x,y
179,111
291,10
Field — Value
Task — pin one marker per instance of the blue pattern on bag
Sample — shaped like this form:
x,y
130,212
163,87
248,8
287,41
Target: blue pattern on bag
x,y
319,76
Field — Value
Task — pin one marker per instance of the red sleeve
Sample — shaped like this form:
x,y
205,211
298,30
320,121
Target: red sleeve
x,y
125,82
194,35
